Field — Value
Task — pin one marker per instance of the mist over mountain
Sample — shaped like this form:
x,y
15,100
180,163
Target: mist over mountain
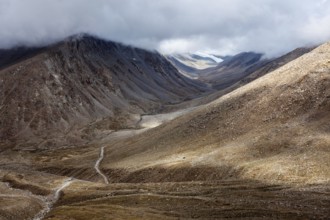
x,y
164,110
270,27
50,90
87,123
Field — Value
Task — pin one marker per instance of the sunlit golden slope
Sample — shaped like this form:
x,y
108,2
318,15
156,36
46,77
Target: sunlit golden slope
x,y
213,162
275,129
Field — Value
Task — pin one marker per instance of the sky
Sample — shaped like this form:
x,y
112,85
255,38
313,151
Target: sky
x,y
223,27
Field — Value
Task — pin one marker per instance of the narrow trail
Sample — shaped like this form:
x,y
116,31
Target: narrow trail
x,y
51,201
97,166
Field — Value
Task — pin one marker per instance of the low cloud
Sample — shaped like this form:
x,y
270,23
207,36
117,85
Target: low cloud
x,y
220,26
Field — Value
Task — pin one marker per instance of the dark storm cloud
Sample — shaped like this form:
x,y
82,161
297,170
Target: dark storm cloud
x,y
223,26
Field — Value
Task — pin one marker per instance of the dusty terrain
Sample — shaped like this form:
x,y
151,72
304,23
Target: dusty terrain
x,y
56,91
258,152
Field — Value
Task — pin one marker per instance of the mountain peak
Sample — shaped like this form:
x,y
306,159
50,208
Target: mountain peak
x,y
82,36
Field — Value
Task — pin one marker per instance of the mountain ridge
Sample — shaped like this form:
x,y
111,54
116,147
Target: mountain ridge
x,y
266,118
83,79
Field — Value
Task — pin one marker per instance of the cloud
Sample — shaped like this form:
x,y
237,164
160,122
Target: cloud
x,y
221,26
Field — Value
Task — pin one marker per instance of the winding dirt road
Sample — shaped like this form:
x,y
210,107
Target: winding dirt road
x,y
97,166
50,203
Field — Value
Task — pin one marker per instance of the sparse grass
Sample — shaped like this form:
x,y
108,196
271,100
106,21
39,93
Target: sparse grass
x,y
261,151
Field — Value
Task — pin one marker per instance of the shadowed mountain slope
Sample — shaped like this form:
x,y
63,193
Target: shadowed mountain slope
x,y
10,56
83,79
232,69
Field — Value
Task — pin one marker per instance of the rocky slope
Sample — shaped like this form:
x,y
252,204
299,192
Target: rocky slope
x,y
261,151
258,152
50,91
274,129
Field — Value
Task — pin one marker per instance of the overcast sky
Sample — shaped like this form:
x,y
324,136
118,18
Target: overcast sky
x,y
221,26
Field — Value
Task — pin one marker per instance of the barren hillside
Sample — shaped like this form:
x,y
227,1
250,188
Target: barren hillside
x,y
274,129
50,92
260,151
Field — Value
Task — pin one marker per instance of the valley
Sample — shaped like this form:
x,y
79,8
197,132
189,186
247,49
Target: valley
x,y
92,129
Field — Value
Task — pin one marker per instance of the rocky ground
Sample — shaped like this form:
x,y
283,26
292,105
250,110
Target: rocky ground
x,y
259,152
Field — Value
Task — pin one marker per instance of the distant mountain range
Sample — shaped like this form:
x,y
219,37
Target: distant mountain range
x,y
226,71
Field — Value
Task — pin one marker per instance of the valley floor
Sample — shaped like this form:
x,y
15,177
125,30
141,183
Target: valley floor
x,y
234,199
77,187
187,200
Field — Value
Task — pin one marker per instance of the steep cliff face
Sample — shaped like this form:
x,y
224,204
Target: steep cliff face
x,y
85,79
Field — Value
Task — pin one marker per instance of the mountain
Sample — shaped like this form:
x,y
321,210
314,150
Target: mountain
x,y
273,129
235,72
228,82
232,69
245,67
275,63
261,150
53,90
9,57
92,129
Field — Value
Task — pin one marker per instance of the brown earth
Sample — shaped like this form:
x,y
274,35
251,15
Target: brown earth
x,y
259,152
